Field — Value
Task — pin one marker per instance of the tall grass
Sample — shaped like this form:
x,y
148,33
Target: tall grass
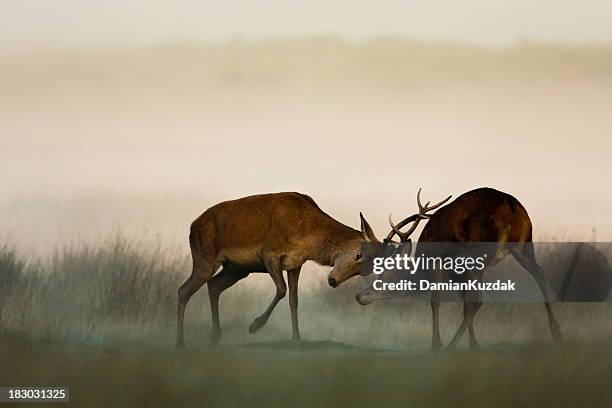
x,y
83,286
120,291
121,295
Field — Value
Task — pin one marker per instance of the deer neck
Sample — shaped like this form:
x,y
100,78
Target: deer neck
x,y
331,242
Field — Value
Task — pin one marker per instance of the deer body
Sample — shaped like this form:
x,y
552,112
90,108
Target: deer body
x,y
481,215
265,233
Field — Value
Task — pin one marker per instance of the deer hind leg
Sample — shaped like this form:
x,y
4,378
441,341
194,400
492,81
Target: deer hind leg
x,y
276,273
292,276
228,276
526,257
202,272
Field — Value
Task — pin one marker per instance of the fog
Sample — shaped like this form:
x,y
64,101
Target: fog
x,y
121,122
144,140
114,23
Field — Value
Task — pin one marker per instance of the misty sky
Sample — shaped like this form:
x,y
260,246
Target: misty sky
x,y
26,23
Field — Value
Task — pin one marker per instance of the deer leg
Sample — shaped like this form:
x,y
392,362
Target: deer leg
x,y
292,276
458,335
228,276
201,273
527,260
276,273
471,304
436,342
473,342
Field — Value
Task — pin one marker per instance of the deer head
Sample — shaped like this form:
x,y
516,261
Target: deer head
x,y
348,260
370,294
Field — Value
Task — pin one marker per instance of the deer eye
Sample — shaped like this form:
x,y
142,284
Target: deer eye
x,y
358,256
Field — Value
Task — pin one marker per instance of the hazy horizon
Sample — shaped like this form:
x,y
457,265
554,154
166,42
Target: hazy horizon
x,y
139,115
69,23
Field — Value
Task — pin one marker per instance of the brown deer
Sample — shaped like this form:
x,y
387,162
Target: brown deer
x,y
481,215
267,233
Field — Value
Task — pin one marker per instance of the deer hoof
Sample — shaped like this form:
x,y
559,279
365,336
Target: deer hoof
x,y
180,344
256,325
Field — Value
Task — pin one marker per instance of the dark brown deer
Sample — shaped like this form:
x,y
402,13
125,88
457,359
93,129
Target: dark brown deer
x,y
267,233
481,215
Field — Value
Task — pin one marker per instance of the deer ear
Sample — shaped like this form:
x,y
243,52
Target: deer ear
x,y
366,230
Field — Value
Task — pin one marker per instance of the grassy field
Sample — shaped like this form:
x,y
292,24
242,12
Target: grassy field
x,y
281,374
100,319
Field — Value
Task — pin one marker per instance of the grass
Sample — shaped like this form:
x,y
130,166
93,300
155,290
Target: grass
x,y
537,375
100,318
113,280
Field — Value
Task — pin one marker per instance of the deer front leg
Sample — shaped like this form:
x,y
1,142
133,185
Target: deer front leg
x,y
273,266
436,342
472,300
292,276
457,337
474,309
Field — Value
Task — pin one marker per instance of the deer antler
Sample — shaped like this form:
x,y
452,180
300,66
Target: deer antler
x,y
415,219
